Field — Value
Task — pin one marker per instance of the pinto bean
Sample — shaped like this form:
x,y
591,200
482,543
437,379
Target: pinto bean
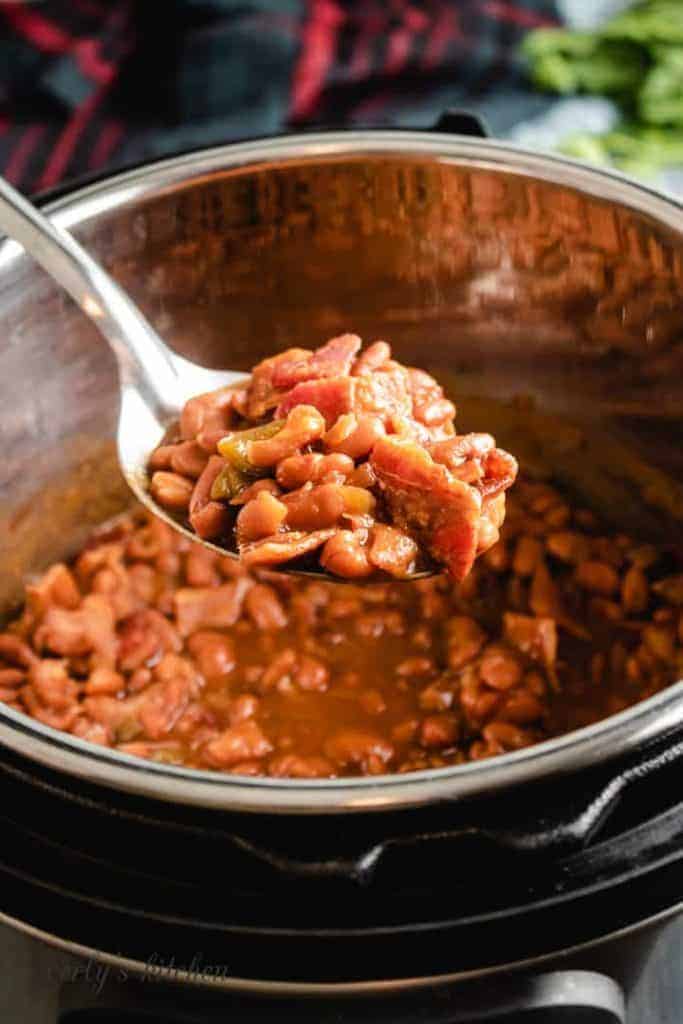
x,y
261,517
354,435
304,424
499,668
314,508
315,468
242,742
295,766
598,577
170,490
189,459
208,518
359,748
213,652
52,684
439,730
464,638
634,591
346,555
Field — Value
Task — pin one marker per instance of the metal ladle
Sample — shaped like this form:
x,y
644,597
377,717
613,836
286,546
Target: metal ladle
x,y
154,382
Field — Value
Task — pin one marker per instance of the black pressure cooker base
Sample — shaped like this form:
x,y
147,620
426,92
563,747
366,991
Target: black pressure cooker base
x,y
434,891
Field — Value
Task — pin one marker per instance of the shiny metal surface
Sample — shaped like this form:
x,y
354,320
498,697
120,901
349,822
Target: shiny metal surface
x,y
154,382
548,296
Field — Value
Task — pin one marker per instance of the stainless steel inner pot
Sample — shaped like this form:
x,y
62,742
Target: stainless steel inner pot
x,y
547,296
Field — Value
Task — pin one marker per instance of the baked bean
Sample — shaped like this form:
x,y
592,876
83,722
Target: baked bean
x,y
315,468
16,651
497,557
304,424
660,641
598,577
253,489
568,546
528,554
105,680
346,555
164,650
200,567
208,518
294,766
435,698
52,684
362,476
505,735
311,674
161,457
261,517
359,748
439,730
353,435
499,668
634,591
213,652
243,707
57,587
171,490
314,508
464,639
11,678
189,459
418,666
242,742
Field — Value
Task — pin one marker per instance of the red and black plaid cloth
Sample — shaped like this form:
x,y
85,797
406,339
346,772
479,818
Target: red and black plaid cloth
x,y
93,84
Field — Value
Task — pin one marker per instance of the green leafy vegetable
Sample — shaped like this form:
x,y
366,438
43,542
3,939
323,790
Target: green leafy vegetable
x,y
636,59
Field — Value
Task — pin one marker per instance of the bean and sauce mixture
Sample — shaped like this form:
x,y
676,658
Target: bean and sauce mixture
x,y
155,646
348,458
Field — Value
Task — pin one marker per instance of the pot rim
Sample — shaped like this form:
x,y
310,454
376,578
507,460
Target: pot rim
x,y
617,734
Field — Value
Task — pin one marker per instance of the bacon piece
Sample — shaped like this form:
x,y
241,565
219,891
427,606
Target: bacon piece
x,y
374,358
333,359
210,607
263,394
332,397
535,637
283,547
85,630
423,496
52,685
429,405
475,459
384,394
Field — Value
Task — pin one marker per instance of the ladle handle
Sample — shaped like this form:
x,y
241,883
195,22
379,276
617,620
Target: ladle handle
x,y
144,361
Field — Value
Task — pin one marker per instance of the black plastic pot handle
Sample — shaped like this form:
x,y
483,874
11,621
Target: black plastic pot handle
x,y
462,122
557,997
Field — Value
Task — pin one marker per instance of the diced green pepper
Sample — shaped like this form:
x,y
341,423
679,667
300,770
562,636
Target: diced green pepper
x,y
228,484
235,446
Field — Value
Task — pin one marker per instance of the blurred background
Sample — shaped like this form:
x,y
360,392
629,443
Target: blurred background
x,y
92,85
